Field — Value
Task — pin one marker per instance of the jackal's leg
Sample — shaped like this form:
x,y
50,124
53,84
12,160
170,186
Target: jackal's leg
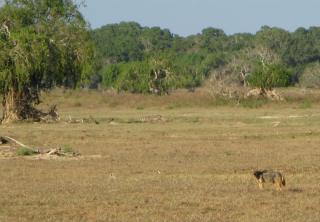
x,y
260,185
278,186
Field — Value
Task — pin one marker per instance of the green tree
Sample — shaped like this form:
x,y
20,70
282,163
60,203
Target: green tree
x,y
157,39
213,39
43,43
119,43
274,38
303,47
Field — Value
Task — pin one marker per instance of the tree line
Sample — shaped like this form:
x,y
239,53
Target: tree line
x,y
128,54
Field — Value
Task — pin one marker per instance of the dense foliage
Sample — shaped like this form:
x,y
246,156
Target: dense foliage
x,y
127,48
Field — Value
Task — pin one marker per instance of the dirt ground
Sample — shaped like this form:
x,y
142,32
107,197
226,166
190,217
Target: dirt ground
x,y
195,163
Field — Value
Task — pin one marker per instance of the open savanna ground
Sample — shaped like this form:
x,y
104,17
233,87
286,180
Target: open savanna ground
x,y
195,163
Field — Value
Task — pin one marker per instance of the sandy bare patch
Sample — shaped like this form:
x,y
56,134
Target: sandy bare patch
x,y
283,117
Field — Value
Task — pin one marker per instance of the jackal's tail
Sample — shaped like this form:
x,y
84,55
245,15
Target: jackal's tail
x,y
283,181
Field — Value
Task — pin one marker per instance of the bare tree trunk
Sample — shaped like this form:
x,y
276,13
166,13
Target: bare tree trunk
x,y
11,107
20,106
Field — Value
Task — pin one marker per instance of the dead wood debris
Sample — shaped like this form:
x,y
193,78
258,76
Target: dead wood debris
x,y
35,115
269,94
60,152
9,147
113,121
152,119
51,116
156,118
8,139
83,120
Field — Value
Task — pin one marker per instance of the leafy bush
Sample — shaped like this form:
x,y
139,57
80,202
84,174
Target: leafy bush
x,y
268,76
134,77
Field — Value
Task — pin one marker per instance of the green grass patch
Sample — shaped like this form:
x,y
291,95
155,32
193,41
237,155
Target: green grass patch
x,y
67,149
170,107
306,104
223,101
24,151
253,103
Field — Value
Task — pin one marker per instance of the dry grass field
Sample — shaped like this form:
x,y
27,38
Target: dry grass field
x,y
193,164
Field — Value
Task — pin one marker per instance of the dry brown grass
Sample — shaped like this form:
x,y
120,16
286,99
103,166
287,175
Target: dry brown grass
x,y
195,167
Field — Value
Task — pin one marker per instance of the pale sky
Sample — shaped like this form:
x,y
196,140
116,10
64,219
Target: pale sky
x,y
185,17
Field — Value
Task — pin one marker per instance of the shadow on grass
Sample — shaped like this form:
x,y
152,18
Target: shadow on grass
x,y
295,190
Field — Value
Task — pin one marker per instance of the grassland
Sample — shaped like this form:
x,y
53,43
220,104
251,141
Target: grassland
x,y
195,165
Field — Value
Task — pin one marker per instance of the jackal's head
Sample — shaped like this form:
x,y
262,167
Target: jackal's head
x,y
257,174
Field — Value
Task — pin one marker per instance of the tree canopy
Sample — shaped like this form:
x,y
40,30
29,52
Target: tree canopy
x,y
43,43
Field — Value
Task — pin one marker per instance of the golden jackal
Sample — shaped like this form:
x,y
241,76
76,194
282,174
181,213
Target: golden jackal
x,y
270,176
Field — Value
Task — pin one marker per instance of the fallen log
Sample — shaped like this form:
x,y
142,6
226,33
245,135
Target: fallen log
x,y
3,141
55,151
7,139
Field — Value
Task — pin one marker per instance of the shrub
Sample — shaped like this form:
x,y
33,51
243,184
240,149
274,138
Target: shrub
x,y
269,76
134,77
